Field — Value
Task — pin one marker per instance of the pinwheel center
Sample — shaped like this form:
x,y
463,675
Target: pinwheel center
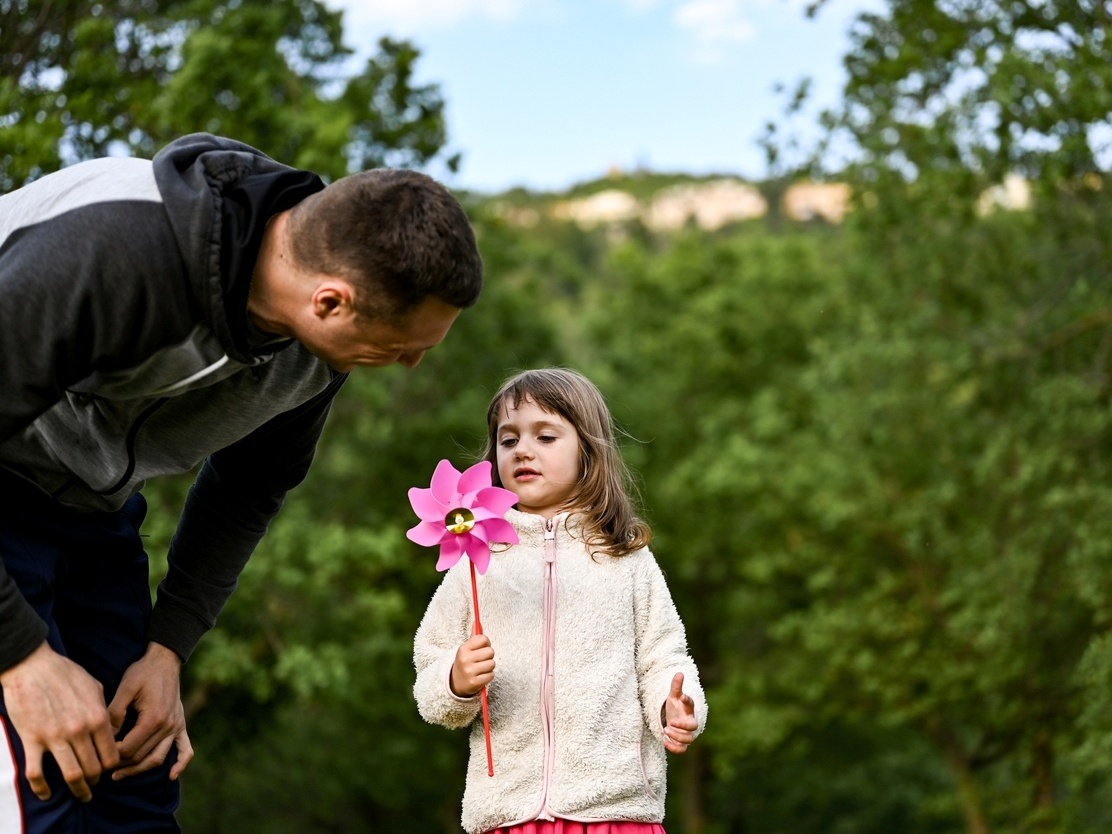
x,y
459,521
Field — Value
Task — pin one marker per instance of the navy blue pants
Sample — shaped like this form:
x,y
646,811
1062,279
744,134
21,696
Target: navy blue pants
x,y
86,575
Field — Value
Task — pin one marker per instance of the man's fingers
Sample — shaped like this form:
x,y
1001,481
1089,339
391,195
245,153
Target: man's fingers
x,y
117,712
157,756
56,707
153,759
73,773
104,744
33,771
87,756
140,740
81,763
185,754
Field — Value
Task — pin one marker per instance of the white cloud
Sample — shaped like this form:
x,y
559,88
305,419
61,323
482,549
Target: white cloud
x,y
407,17
715,21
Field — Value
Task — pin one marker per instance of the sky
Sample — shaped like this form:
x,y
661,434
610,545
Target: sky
x,y
544,94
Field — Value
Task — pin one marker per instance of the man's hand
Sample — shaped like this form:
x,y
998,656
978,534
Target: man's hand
x,y
58,707
473,667
152,685
678,716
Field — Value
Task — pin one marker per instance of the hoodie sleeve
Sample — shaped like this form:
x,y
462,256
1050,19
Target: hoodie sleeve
x,y
446,625
227,511
661,646
22,629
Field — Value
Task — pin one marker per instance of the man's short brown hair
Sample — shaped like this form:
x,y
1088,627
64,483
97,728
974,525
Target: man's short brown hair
x,y
397,235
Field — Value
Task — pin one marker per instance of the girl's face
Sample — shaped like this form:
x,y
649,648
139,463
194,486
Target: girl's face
x,y
538,457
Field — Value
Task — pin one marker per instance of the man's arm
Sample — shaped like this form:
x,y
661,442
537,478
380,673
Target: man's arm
x,y
237,492
227,511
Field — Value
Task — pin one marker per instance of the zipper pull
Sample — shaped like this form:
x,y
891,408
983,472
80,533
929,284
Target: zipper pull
x,y
550,540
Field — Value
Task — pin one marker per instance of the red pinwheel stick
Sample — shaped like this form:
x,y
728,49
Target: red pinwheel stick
x,y
483,691
466,505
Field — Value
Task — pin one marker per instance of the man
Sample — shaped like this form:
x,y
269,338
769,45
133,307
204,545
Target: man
x,y
203,306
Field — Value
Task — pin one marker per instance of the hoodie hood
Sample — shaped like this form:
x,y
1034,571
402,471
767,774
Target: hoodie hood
x,y
220,192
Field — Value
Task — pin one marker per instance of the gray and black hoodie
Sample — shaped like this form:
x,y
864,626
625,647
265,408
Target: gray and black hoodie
x,y
126,353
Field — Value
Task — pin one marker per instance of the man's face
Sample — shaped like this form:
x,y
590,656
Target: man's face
x,y
349,341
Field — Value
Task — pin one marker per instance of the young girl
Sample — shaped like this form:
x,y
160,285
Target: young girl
x,y
593,682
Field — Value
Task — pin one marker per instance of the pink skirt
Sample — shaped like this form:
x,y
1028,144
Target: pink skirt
x,y
570,827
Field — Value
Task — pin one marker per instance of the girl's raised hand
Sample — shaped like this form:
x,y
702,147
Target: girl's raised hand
x,y
473,667
678,714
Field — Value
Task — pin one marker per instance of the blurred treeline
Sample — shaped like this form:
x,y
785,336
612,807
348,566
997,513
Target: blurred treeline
x,y
877,456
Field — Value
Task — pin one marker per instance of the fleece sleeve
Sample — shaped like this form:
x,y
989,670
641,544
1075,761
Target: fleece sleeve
x,y
227,511
661,646
446,625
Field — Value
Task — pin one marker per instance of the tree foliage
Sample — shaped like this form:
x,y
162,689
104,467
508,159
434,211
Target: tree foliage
x,y
84,79
982,86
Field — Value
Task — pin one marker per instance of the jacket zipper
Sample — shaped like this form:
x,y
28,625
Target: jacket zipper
x,y
548,701
132,439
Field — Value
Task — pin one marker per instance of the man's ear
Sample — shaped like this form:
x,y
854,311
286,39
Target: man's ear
x,y
333,297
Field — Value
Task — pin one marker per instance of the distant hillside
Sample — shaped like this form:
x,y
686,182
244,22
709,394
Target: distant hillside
x,y
670,202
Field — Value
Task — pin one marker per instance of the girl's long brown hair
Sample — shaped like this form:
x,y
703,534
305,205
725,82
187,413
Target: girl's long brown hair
x,y
605,500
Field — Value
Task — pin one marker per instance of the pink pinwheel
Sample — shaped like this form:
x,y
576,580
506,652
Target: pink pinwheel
x,y
463,513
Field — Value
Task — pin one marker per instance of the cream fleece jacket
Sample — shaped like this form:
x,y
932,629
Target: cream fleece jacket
x,y
589,746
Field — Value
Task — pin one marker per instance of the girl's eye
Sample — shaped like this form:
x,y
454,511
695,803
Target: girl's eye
x,y
546,438
507,442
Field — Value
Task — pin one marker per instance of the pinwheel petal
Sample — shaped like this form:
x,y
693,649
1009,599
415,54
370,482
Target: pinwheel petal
x,y
479,554
427,533
498,530
475,478
451,548
496,499
445,483
426,506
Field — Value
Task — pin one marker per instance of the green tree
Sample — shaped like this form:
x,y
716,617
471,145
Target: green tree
x,y
984,86
916,488
878,492
84,79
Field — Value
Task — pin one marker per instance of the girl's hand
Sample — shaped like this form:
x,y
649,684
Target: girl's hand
x,y
678,716
473,667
